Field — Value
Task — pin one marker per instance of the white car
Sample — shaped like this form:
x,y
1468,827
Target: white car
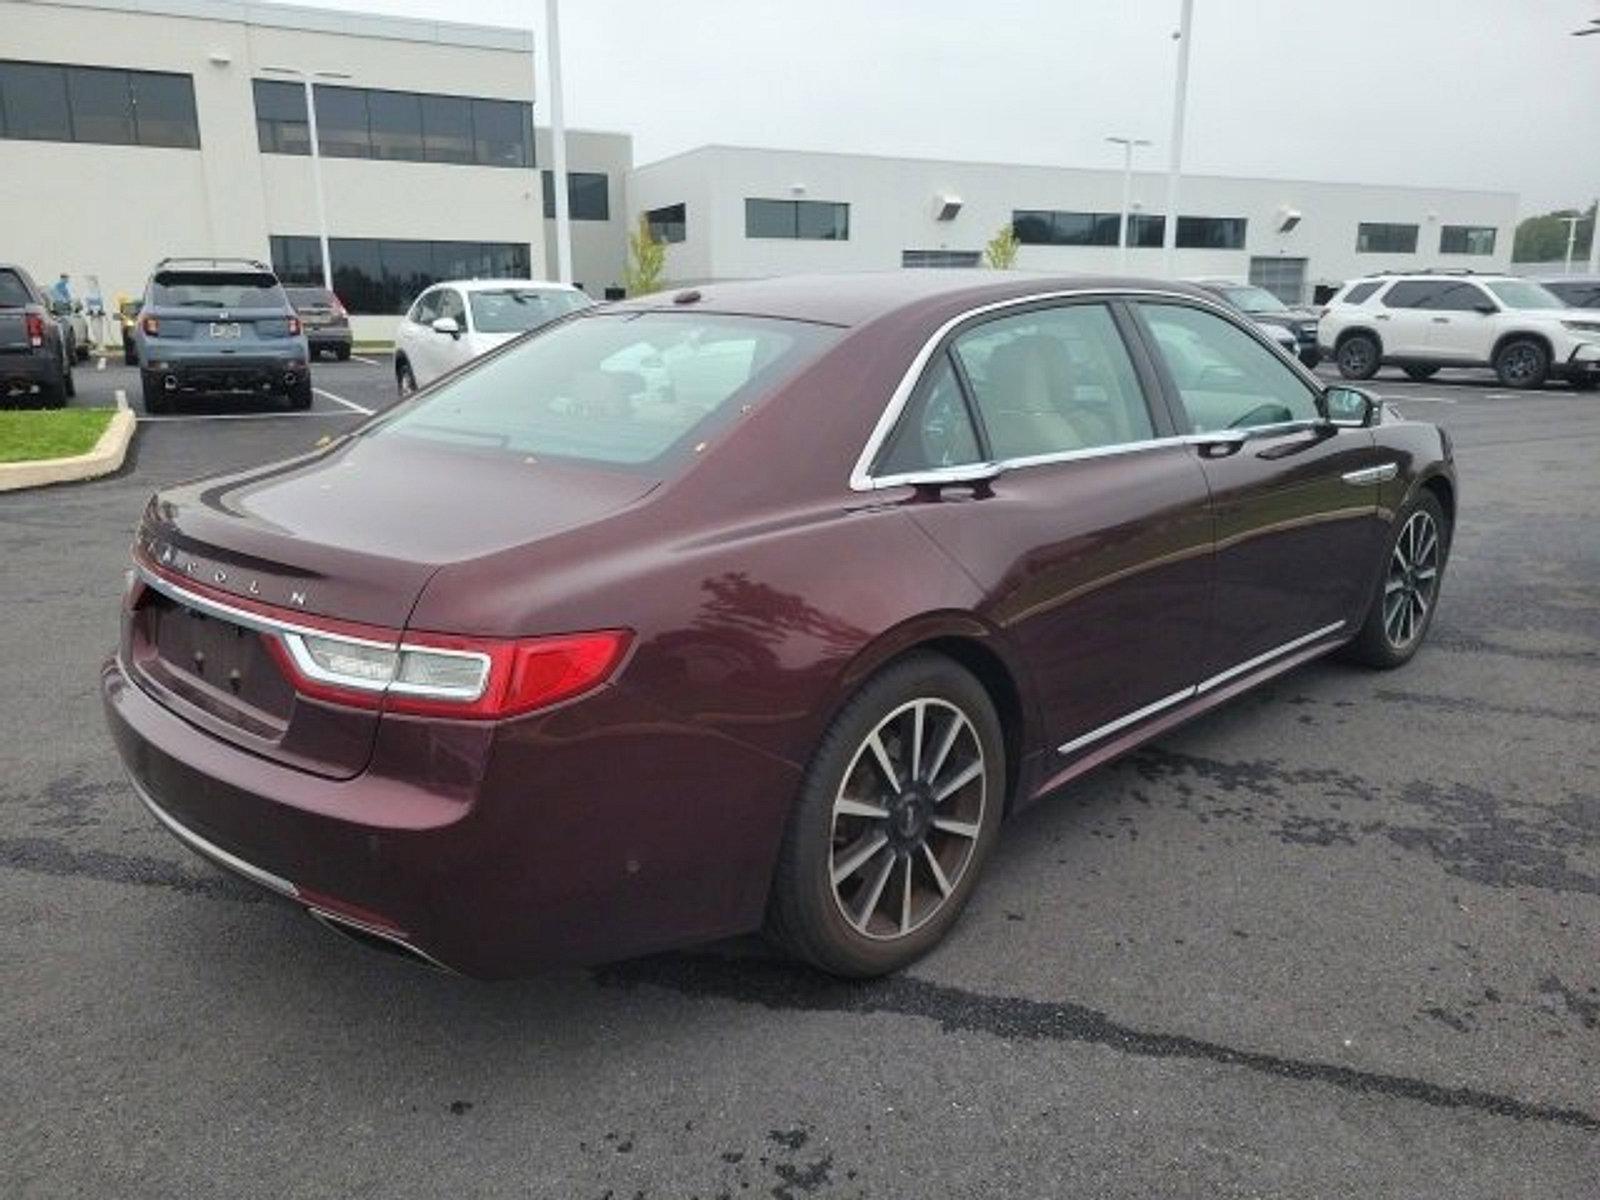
x,y
452,323
1421,322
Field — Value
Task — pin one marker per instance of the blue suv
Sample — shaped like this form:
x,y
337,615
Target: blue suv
x,y
219,325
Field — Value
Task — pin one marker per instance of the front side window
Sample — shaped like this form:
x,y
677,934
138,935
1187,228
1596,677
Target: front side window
x,y
1458,297
635,390
935,430
1224,377
1412,293
1053,380
425,309
517,310
451,307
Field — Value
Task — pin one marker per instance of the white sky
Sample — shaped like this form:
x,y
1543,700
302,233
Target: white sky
x,y
1451,93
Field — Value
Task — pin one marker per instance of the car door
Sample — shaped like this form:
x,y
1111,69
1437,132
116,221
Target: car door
x,y
1402,319
414,338
450,350
1461,323
1293,498
1093,541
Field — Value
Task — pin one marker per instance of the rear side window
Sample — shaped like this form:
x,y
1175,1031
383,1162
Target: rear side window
x,y
1225,378
1359,292
13,292
217,289
1411,293
626,389
1053,380
935,430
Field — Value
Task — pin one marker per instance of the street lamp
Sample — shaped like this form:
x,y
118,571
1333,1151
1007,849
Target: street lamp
x,y
1594,233
1572,237
306,77
1169,239
1127,145
558,142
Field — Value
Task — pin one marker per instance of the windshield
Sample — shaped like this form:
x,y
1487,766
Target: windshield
x,y
1523,293
216,289
516,310
618,388
1253,300
304,297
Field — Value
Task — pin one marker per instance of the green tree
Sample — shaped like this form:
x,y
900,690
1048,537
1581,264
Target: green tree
x,y
1001,252
1544,238
647,258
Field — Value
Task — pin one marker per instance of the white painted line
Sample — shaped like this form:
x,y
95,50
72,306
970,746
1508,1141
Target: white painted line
x,y
279,416
122,396
371,362
351,404
1420,400
100,364
1500,396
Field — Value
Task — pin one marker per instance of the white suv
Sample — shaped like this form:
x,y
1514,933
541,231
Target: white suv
x,y
1436,319
454,322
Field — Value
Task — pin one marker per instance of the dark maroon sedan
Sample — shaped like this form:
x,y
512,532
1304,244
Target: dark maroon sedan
x,y
757,606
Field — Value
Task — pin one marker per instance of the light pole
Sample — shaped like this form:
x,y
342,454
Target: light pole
x,y
1572,237
1594,233
558,142
1169,238
306,78
1127,145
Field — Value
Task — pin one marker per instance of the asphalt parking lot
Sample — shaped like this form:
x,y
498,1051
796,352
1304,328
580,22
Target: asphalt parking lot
x,y
1338,938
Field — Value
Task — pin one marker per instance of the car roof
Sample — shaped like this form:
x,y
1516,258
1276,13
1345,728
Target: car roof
x,y
1588,279
479,285
856,298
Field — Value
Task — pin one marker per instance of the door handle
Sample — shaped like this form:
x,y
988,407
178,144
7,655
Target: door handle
x,y
1441,320
1380,317
1218,445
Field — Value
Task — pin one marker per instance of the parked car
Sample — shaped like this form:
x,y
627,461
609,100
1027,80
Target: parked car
x,y
128,322
453,323
69,315
1265,309
325,320
212,325
1422,322
1580,291
35,351
554,662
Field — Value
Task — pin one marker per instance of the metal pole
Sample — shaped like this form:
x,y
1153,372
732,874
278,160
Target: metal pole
x,y
316,179
1169,240
558,142
1127,199
1572,237
1594,238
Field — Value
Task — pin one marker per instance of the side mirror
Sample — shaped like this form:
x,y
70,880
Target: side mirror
x,y
1348,407
1484,307
446,325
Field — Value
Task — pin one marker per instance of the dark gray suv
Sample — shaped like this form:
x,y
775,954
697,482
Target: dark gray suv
x,y
211,325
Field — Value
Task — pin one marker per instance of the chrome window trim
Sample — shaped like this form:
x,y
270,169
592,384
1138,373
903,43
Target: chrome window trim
x,y
862,479
292,636
211,850
1199,689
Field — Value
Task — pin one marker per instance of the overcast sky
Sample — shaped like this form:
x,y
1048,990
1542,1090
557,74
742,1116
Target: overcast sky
x,y
1451,93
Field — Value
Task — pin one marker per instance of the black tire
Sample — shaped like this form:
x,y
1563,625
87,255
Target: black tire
x,y
1359,356
299,396
806,909
157,400
1310,358
54,393
1522,363
342,353
405,381
69,384
1378,643
1420,373
1586,384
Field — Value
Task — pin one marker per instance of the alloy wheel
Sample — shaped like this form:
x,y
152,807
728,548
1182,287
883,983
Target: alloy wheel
x,y
1355,355
1413,580
1521,363
906,818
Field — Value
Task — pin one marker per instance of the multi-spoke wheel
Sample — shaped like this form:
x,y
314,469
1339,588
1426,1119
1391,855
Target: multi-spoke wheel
x,y
900,806
1522,363
1408,590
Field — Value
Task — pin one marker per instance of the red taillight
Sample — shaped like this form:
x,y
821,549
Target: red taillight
x,y
150,325
294,326
523,675
35,325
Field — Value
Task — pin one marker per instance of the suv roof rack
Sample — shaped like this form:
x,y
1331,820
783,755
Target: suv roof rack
x,y
1431,271
215,261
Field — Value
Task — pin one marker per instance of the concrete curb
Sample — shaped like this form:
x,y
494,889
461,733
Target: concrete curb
x,y
106,457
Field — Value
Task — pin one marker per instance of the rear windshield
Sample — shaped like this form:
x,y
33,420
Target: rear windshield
x,y
216,289
12,292
303,297
626,389
515,310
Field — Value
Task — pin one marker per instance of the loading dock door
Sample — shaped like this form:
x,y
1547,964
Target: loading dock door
x,y
1285,278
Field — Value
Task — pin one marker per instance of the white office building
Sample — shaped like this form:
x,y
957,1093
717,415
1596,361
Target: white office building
x,y
131,130
732,212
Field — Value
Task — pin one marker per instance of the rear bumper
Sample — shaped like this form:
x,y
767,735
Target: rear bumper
x,y
24,370
595,831
325,339
251,373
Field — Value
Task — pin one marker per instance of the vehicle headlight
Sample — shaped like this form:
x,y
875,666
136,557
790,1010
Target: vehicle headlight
x,y
1582,326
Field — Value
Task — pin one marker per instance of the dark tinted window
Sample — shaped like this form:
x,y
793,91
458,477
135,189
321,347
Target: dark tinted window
x,y
1466,239
1457,297
33,102
935,430
281,117
1225,377
1211,233
940,258
342,130
669,224
381,276
104,105
1145,230
1041,227
395,119
13,292
1376,237
1411,293
1360,292
1053,380
303,297
1579,295
447,129
814,220
588,195
163,110
216,289
503,133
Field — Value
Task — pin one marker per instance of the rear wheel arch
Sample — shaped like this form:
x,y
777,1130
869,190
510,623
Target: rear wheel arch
x,y
1445,493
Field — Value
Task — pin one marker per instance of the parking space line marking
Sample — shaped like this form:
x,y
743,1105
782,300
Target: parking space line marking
x,y
1420,400
280,416
341,400
122,398
371,362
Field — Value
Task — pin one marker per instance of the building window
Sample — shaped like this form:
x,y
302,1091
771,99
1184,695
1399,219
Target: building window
x,y
1375,237
102,105
382,276
669,224
1042,227
808,220
588,195
1467,239
940,258
1211,233
1146,230
395,126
